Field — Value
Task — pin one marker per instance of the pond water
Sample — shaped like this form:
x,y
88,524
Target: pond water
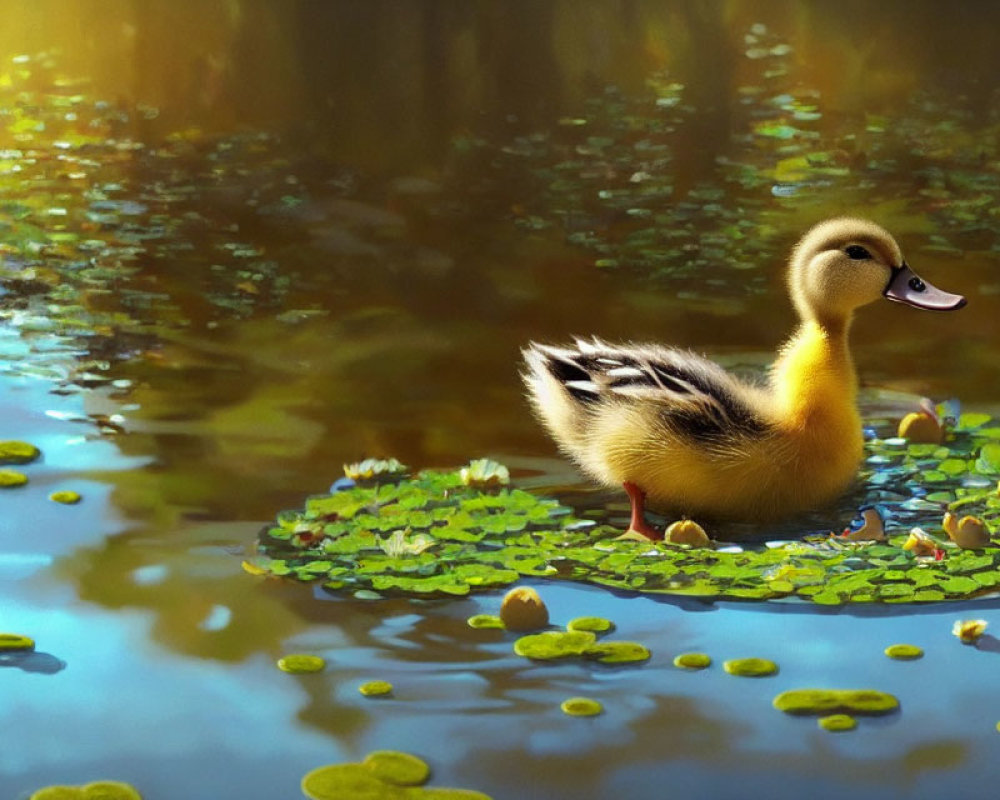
x,y
245,243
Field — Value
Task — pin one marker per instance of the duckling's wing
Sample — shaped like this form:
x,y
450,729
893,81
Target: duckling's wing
x,y
691,394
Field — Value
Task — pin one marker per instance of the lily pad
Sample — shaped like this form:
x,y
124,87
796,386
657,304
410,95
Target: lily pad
x,y
376,688
837,723
301,663
692,661
98,790
904,652
554,644
750,667
828,701
10,479
17,452
618,652
581,707
400,769
592,624
486,621
15,642
66,497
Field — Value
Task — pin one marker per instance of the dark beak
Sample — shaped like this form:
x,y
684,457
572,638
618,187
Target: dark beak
x,y
905,286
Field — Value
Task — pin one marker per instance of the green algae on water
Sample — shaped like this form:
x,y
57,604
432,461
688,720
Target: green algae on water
x,y
16,452
581,707
837,723
342,781
375,688
829,701
10,478
98,790
750,667
692,661
301,663
66,497
904,652
400,769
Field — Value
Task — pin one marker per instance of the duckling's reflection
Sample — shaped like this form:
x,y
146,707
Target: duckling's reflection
x,y
33,661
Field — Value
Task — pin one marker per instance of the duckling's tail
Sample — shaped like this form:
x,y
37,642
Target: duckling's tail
x,y
561,392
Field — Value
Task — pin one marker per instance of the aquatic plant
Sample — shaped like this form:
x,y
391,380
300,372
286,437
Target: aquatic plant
x,y
837,723
483,473
692,661
301,663
486,622
581,707
66,497
471,539
592,624
828,701
750,667
17,452
97,790
382,775
904,652
15,642
375,688
969,631
10,478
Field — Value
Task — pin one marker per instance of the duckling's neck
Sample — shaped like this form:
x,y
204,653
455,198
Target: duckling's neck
x,y
813,381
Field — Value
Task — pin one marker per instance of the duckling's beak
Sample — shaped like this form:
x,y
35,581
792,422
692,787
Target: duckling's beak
x,y
905,286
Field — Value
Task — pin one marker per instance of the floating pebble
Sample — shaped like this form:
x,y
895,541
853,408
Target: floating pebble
x,y
375,688
692,661
10,478
904,652
301,663
523,610
750,667
581,707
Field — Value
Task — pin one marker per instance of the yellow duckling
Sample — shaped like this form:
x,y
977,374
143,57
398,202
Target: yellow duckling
x,y
679,430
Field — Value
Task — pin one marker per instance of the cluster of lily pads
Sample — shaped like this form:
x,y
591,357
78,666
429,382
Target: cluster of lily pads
x,y
382,775
447,533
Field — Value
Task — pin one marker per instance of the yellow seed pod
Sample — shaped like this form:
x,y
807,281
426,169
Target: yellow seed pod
x,y
687,531
920,427
523,610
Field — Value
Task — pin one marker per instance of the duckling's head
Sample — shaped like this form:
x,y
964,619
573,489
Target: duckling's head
x,y
845,263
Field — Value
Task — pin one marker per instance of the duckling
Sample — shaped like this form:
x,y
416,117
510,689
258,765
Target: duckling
x,y
969,532
677,430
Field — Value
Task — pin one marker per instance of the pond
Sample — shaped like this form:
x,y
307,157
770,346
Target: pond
x,y
245,244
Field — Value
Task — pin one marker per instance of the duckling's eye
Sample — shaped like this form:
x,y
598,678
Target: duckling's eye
x,y
857,252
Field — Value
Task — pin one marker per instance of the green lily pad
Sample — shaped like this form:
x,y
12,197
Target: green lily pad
x,y
400,769
581,707
16,452
376,688
904,652
98,790
827,701
618,652
837,723
592,624
301,663
15,641
750,667
66,497
554,644
341,781
486,621
692,661
10,479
